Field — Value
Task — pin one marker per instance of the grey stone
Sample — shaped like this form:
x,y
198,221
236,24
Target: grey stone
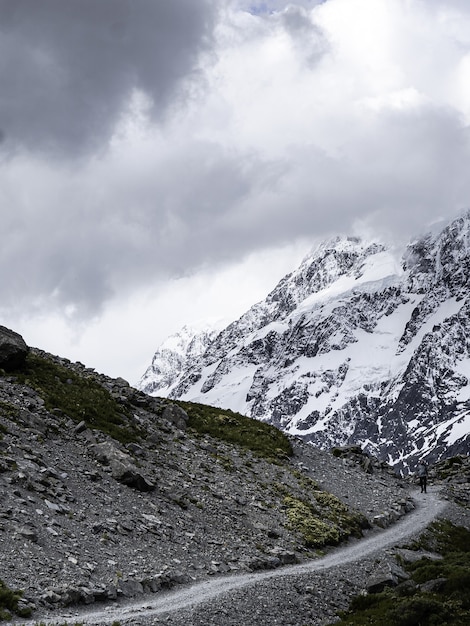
x,y
411,556
122,467
433,586
386,574
80,427
13,349
131,588
176,416
28,532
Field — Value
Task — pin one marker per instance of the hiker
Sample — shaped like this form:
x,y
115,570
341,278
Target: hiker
x,y
423,475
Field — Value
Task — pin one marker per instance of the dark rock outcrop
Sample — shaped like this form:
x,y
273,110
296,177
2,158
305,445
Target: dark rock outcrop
x,y
13,349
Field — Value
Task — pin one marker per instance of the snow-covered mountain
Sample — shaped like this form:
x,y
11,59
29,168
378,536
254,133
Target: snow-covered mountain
x,y
352,347
176,354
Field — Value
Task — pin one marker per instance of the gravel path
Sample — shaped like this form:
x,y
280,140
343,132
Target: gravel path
x,y
308,593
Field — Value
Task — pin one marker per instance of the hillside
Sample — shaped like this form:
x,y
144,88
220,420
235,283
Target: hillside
x,y
107,493
355,346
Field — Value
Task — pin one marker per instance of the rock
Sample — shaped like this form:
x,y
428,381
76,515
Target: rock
x,y
28,532
286,557
80,427
51,596
71,596
411,556
131,588
13,349
433,586
387,574
132,478
135,449
176,416
122,467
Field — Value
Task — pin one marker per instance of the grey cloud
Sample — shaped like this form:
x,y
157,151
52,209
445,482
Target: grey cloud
x,y
208,206
408,169
268,6
75,240
68,68
308,38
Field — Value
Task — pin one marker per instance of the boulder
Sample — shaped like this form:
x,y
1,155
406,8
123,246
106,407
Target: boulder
x,y
122,467
176,416
13,349
131,588
433,586
386,574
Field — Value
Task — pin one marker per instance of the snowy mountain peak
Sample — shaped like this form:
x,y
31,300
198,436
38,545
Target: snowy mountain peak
x,y
354,346
442,258
176,353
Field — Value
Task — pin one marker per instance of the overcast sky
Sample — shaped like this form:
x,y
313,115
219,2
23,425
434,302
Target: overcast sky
x,y
164,162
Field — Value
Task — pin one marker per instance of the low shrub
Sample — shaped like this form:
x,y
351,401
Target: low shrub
x,y
9,603
262,439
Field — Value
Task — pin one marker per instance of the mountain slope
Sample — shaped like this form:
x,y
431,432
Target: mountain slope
x,y
108,493
354,347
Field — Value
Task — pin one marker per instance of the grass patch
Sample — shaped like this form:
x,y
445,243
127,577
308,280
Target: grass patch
x,y
326,522
322,519
262,439
9,603
306,520
447,605
79,397
8,410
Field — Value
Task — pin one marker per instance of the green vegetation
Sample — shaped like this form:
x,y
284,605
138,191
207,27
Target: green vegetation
x,y
9,603
79,397
262,439
8,409
326,523
446,602
319,516
305,519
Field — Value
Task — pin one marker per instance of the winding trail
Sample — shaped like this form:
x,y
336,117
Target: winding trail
x,y
427,508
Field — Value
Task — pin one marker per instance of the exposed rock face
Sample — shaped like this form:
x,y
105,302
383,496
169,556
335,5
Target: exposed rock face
x,y
354,348
13,349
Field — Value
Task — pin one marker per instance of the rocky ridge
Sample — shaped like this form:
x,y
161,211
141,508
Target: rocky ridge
x,y
86,517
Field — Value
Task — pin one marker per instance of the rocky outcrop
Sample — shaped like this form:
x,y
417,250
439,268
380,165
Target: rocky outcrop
x,y
13,349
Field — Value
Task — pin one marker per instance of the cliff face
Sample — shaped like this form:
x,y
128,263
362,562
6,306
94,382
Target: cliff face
x,y
353,347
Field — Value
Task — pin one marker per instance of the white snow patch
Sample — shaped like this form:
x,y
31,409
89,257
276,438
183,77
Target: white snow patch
x,y
463,368
446,309
231,392
379,271
459,427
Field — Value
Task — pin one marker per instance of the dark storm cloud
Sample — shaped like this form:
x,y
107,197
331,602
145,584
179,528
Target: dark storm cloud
x,y
276,148
69,67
